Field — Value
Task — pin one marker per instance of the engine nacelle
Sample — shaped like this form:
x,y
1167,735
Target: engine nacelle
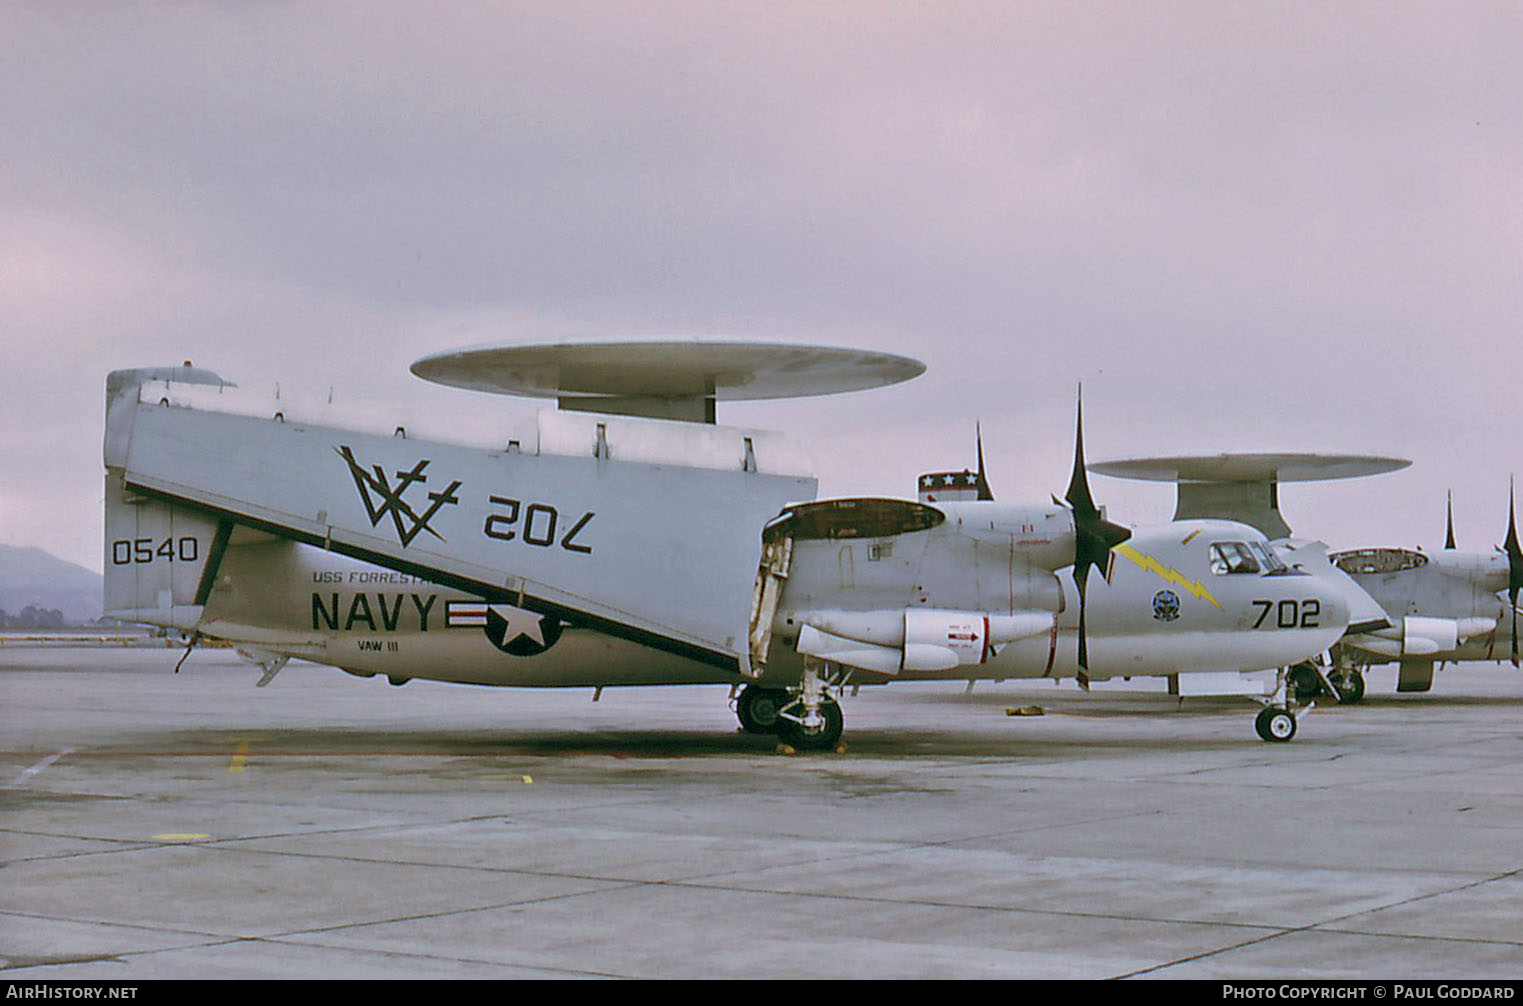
x,y
1422,636
915,639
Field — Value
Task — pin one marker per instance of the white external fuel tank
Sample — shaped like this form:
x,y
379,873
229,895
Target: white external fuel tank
x,y
1421,636
915,639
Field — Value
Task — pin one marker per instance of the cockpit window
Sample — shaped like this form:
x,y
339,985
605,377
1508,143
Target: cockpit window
x,y
1267,558
1378,560
1230,557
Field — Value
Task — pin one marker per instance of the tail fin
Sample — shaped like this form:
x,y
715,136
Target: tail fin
x,y
160,559
949,487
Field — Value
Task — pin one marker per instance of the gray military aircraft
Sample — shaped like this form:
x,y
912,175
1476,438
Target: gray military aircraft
x,y
1444,607
626,539
1409,607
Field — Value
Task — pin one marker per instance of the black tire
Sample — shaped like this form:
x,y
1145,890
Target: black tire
x,y
757,709
1304,679
1350,688
1275,724
824,738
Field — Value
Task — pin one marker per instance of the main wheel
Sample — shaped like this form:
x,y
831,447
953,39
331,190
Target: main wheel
x,y
1350,687
822,738
757,709
1275,724
1303,678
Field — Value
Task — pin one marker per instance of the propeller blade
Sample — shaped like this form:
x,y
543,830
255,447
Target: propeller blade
x,y
1080,579
1449,512
1078,496
1094,536
1514,566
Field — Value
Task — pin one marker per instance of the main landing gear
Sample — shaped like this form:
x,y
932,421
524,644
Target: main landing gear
x,y
757,708
1313,679
806,717
1277,721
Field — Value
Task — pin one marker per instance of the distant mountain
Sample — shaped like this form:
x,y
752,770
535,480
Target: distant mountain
x,y
30,576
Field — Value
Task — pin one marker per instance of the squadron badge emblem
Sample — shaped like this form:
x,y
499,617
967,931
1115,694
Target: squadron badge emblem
x,y
1166,606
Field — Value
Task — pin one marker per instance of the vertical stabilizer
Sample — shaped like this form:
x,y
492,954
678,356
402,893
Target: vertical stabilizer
x,y
159,558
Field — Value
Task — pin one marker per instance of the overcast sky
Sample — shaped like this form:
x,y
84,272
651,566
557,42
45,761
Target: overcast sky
x,y
1270,226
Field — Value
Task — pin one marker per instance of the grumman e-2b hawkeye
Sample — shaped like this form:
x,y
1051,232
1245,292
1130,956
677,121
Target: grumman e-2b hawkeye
x,y
1412,608
627,539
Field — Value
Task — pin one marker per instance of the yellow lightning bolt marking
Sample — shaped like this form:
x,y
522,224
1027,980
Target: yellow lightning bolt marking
x,y
1169,575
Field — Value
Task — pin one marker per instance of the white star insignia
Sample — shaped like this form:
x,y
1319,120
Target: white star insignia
x,y
520,623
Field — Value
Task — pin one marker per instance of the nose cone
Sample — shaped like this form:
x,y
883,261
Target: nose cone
x,y
1324,612
1337,611
1322,617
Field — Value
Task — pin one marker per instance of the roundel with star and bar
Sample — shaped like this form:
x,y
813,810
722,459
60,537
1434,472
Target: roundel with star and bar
x,y
515,631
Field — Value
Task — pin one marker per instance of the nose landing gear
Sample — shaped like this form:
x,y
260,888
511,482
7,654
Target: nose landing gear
x,y
1277,721
1275,724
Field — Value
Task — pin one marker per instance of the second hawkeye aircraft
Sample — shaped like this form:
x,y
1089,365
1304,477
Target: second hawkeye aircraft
x,y
1412,608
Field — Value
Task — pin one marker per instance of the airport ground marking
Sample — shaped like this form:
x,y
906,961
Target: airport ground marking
x,y
37,768
240,756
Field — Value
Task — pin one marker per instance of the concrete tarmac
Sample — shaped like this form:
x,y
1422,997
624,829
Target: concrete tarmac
x,y
192,826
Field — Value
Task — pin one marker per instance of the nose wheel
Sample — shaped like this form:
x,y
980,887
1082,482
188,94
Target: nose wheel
x,y
1276,722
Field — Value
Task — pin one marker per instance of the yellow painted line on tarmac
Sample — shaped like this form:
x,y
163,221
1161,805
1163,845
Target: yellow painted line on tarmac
x,y
240,756
186,836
